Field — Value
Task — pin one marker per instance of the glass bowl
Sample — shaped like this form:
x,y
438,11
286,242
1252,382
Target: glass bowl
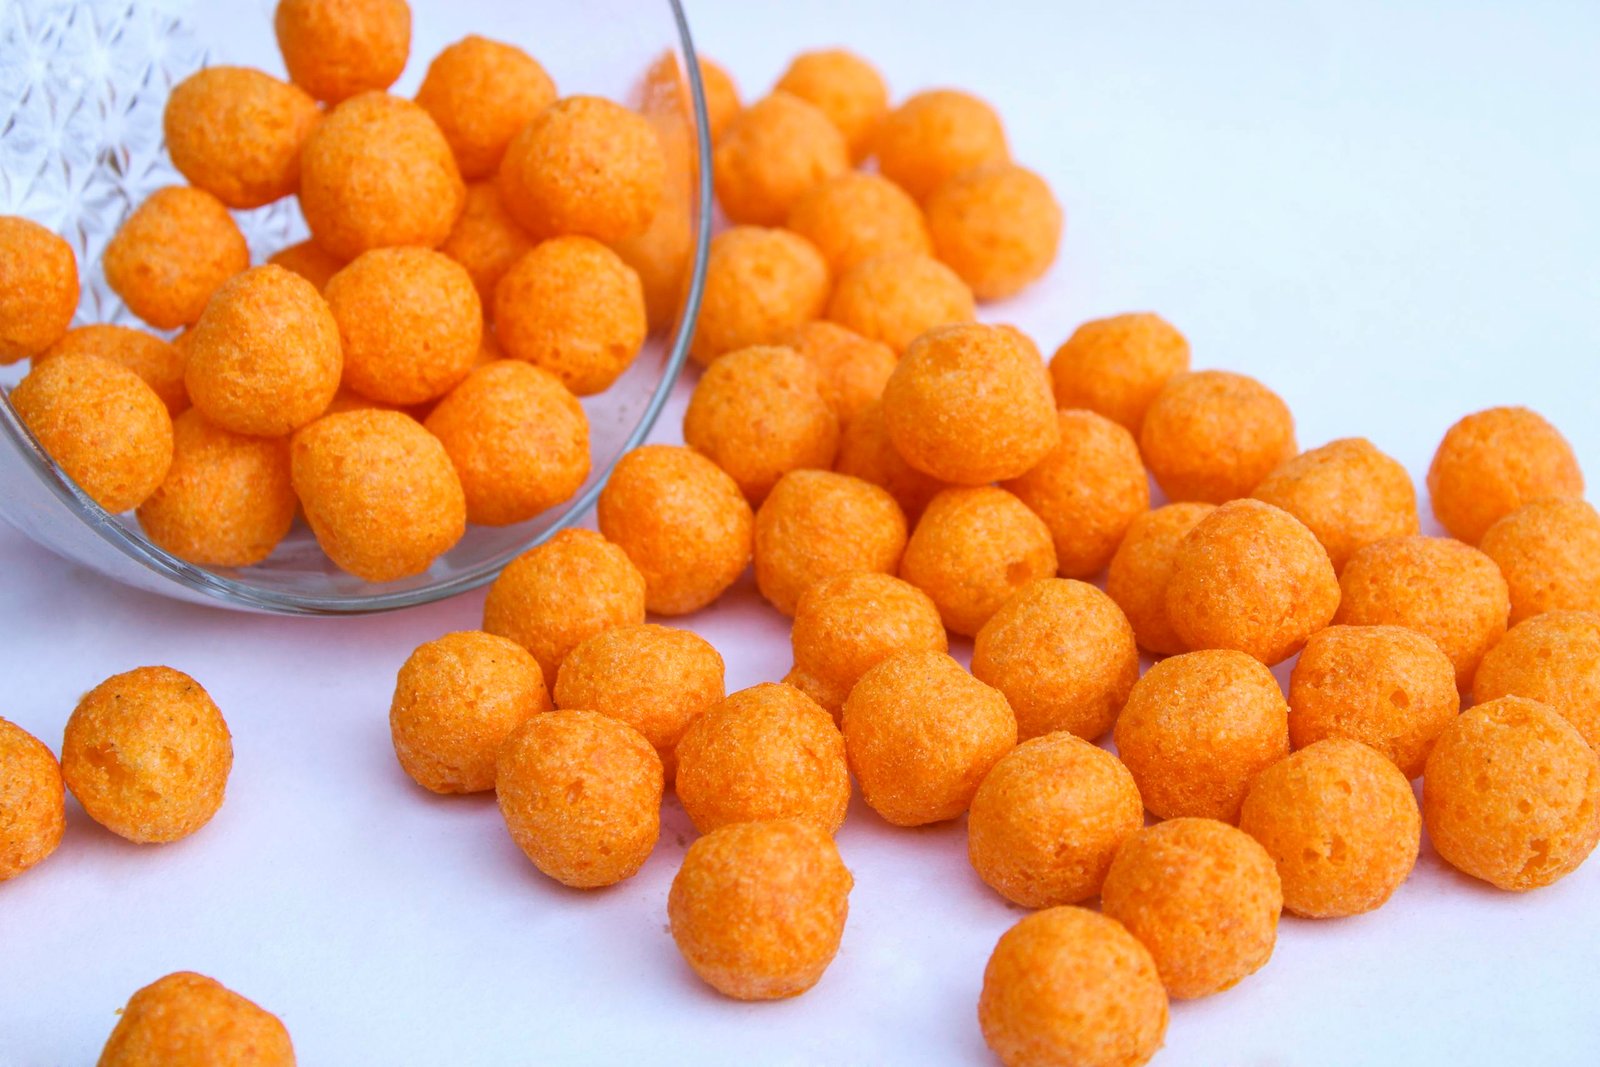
x,y
83,85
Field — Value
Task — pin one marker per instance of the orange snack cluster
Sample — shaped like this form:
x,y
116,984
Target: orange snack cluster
x,y
1494,461
816,524
1116,366
851,370
481,93
896,297
1549,553
189,1020
866,452
1347,493
845,88
32,802
38,288
1213,436
159,363
486,240
936,135
773,153
335,49
1142,568
858,215
1553,658
307,259
760,285
998,226
236,133
174,251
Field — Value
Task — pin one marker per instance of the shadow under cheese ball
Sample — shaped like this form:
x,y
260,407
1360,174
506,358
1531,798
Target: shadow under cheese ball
x,y
41,291
1553,658
335,49
32,801
761,284
771,154
896,297
858,215
237,132
1212,436
1492,462
1347,493
998,226
158,363
1142,567
866,452
481,93
1549,553
172,253
935,135
845,88
816,524
189,1020
1116,366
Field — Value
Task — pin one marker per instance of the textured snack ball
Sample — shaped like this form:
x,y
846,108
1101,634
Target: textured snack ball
x,y
852,369
1066,986
1491,463
559,594
236,133
816,524
159,363
101,424
1116,366
1389,688
760,285
936,135
866,452
1142,567
1212,436
38,288
773,153
171,254
897,297
997,225
1340,822
921,734
1347,493
481,93
1048,819
581,794
1549,553
758,909
456,700
1251,577
768,752
486,240
1063,654
665,80
845,88
189,1020
147,754
1197,728
32,803
309,261
1553,658
858,215
335,49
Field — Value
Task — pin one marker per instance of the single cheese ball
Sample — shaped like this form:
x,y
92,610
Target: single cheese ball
x,y
172,253
1549,553
379,492
1063,654
1387,687
456,700
147,754
1493,462
662,256
236,133
159,363
1197,728
758,908
560,593
1341,823
1088,490
997,225
760,285
859,215
581,795
852,370
101,424
1142,568
845,88
769,752
376,172
189,1020
721,93
866,452
1347,493
897,297
936,135
308,260
816,524
1251,577
1116,366
486,240
773,153
32,805
335,49
758,413
1553,658
971,404
1203,897
1048,819
972,549
665,82
1442,589
921,735
1212,436
38,288
481,93
1068,986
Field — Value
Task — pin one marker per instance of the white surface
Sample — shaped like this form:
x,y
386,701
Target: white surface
x,y
1388,215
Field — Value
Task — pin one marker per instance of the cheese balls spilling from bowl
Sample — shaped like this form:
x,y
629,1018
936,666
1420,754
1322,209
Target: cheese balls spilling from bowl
x,y
481,93
32,801
816,524
1116,366
1552,658
236,133
936,135
189,1020
997,225
760,285
773,153
896,297
1549,553
1347,493
1142,568
1213,436
172,253
1494,461
159,364
845,88
855,216
40,293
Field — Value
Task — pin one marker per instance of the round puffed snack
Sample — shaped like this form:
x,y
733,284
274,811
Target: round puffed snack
x,y
335,49
172,253
1116,366
159,363
237,132
1347,493
858,215
486,240
1142,567
189,1020
866,452
32,802
307,259
1553,658
773,153
845,88
38,288
1212,436
1549,553
760,285
996,225
1491,463
936,135
851,369
897,297
816,524
481,93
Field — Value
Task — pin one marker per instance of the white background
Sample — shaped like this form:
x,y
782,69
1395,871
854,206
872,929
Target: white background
x,y
1386,211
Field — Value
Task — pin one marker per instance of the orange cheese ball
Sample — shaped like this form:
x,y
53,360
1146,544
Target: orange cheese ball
x,y
972,549
1494,461
853,370
265,358
160,364
1340,821
335,49
101,424
1048,819
682,521
722,96
1549,553
581,794
172,253
38,288
1553,658
768,752
189,1020
845,88
584,166
560,593
760,285
997,225
1347,493
481,93
518,438
758,413
899,296
773,153
849,623
1063,654
816,524
486,240
226,500
1116,366
236,133
1385,686
1197,728
936,135
921,734
379,493
663,252
866,452
1069,986
1142,568
1213,436
147,754
758,908
309,261
1251,577
665,82
1088,490
858,215
574,308
1442,589
1203,897
376,173
456,700
32,803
